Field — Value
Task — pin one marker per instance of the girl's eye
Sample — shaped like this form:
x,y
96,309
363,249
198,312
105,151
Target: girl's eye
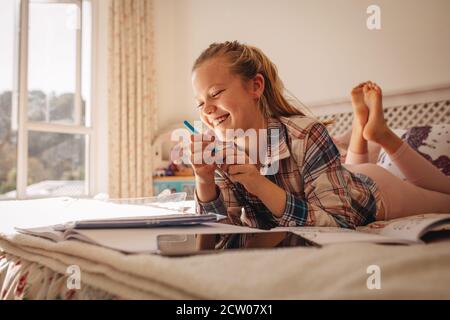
x,y
214,95
217,93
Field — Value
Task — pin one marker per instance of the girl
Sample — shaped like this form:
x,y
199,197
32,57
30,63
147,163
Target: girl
x,y
237,87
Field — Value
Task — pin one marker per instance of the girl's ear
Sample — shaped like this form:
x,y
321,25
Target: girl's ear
x,y
258,85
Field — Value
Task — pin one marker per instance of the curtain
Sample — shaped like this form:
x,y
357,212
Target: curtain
x,y
131,108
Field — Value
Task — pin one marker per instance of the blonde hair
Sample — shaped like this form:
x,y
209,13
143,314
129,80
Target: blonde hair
x,y
247,61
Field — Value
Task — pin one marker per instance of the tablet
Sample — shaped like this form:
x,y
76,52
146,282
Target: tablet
x,y
191,244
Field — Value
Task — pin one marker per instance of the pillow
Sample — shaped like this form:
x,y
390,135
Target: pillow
x,y
342,142
432,142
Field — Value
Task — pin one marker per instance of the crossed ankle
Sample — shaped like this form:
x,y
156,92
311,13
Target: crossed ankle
x,y
357,127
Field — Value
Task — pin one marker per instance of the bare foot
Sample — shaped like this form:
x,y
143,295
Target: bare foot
x,y
360,110
376,128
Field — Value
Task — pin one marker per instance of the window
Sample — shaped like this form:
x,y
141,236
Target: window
x,y
45,98
8,136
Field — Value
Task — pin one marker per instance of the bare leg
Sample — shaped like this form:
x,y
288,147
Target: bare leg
x,y
401,198
415,168
376,129
357,150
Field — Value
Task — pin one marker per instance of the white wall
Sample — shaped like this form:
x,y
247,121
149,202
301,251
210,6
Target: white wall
x,y
321,47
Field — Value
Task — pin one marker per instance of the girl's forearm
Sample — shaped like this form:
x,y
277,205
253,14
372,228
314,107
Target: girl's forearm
x,y
273,197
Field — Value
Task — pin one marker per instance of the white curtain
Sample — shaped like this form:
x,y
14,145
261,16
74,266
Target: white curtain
x,y
132,109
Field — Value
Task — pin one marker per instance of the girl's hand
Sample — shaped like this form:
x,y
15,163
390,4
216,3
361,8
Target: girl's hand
x,y
200,147
248,175
242,169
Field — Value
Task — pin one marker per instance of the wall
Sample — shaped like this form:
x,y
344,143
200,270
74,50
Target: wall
x,y
322,48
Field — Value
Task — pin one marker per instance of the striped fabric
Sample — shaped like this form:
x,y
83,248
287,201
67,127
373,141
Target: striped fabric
x,y
320,191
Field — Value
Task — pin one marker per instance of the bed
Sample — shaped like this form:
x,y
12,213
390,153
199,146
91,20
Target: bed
x,y
34,268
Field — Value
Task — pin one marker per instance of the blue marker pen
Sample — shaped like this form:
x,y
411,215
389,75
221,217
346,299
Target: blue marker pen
x,y
190,127
193,131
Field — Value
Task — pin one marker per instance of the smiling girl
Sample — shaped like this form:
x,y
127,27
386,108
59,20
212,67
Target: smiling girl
x,y
237,87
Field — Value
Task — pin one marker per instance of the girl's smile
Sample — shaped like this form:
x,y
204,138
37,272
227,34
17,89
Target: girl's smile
x,y
220,120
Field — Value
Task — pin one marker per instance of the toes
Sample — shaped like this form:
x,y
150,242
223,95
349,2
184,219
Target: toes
x,y
369,85
359,86
373,86
377,88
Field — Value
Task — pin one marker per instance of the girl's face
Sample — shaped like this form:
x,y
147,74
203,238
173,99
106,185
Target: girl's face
x,y
224,100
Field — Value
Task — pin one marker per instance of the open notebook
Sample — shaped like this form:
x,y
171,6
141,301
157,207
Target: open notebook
x,y
410,230
122,226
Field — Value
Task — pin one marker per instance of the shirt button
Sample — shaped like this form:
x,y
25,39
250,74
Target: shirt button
x,y
292,223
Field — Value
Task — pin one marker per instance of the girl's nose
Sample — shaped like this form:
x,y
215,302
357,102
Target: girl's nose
x,y
209,108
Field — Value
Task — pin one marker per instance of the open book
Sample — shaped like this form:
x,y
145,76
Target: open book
x,y
410,230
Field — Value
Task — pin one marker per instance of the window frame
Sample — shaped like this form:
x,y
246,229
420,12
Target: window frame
x,y
20,99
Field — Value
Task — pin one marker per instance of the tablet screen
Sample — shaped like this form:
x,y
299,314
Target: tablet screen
x,y
188,244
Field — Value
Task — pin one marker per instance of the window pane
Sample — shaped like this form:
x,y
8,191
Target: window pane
x,y
52,46
8,134
56,164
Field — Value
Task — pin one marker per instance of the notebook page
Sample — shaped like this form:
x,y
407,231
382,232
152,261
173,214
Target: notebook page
x,y
329,235
414,227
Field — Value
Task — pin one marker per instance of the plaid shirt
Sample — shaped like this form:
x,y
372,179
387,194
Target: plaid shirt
x,y
320,191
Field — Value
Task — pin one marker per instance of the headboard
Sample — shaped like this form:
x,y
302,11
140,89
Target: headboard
x,y
425,106
402,116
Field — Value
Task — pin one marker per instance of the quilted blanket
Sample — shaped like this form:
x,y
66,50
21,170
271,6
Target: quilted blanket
x,y
35,268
